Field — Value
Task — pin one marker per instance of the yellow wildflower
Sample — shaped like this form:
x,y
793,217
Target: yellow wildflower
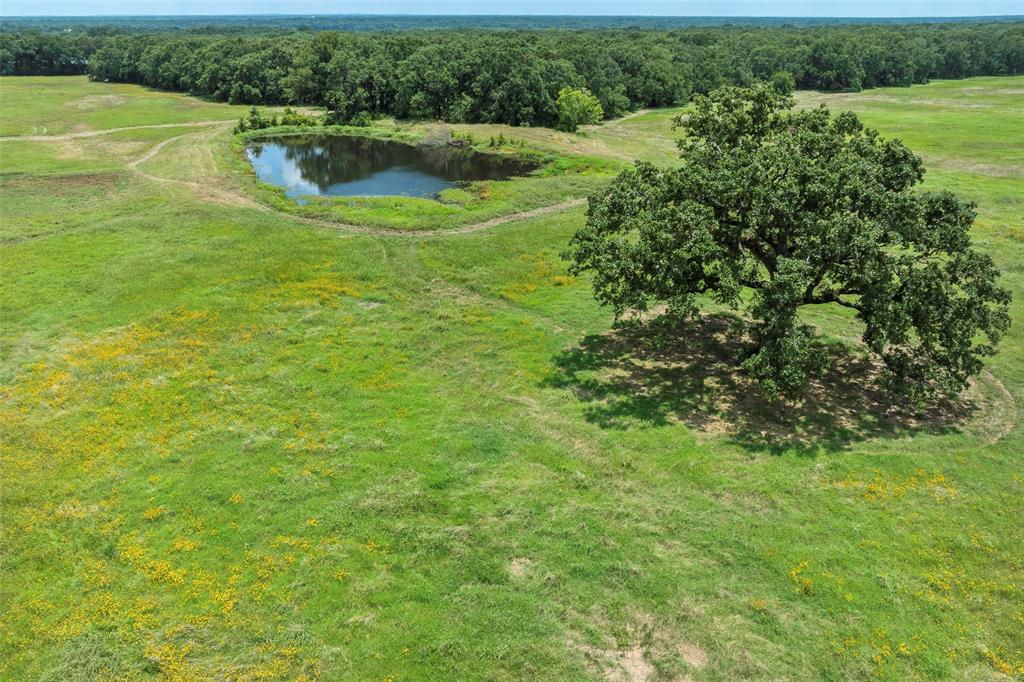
x,y
153,513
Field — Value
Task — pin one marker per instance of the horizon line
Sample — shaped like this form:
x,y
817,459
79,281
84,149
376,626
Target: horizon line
x,y
529,14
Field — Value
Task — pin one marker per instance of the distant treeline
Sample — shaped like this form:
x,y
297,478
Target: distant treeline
x,y
514,76
223,24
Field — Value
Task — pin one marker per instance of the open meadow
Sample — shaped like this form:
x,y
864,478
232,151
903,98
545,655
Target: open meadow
x,y
395,440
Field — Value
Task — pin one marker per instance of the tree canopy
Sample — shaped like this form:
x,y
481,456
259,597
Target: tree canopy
x,y
775,209
508,76
577,107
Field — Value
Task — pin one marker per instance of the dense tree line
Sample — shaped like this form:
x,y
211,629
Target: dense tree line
x,y
515,77
377,23
45,54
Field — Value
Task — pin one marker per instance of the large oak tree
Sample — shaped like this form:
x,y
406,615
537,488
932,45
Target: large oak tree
x,y
775,209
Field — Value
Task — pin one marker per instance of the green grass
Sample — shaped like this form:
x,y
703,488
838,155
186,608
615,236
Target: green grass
x,y
953,127
238,446
53,105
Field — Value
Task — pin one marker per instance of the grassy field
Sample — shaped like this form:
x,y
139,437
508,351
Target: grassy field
x,y
241,446
52,105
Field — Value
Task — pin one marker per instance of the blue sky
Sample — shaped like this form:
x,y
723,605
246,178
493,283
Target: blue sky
x,y
836,8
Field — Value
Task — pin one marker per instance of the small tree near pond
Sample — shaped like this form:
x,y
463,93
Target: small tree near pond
x,y
257,121
778,209
577,107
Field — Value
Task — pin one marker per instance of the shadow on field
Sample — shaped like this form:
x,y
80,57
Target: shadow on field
x,y
659,372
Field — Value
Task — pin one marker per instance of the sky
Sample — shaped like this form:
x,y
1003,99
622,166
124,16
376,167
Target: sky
x,y
790,8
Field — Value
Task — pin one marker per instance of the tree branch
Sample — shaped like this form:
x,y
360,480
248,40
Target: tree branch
x,y
767,258
832,296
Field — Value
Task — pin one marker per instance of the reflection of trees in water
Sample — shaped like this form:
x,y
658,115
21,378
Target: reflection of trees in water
x,y
331,160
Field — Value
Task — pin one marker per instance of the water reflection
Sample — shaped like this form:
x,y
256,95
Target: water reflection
x,y
334,165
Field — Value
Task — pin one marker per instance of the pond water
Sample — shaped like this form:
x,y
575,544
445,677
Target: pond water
x,y
340,166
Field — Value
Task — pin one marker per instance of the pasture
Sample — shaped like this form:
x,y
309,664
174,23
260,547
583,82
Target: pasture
x,y
244,442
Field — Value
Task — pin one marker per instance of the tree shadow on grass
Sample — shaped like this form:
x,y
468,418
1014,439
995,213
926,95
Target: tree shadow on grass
x,y
664,371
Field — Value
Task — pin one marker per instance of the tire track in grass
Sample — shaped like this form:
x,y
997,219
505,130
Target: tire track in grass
x,y
107,131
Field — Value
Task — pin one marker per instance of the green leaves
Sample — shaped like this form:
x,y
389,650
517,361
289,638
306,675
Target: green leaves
x,y
576,107
801,208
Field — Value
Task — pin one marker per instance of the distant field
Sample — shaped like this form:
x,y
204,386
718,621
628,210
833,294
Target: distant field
x,y
240,445
52,105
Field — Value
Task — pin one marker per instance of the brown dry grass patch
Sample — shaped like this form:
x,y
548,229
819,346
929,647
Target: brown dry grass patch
x,y
62,185
639,648
96,102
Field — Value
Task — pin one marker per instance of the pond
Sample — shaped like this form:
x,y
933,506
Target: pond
x,y
346,166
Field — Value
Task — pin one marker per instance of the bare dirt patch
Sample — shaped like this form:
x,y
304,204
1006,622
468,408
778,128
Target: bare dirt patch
x,y
519,566
642,647
693,654
635,665
96,102
630,665
83,148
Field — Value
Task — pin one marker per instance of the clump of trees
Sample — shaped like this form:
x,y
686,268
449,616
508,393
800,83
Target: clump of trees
x,y
577,107
289,117
776,209
513,77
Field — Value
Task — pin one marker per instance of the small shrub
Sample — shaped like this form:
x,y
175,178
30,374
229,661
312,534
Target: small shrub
x,y
362,119
256,121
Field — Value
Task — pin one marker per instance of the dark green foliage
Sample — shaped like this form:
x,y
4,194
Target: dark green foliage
x,y
45,54
513,77
783,82
800,208
375,23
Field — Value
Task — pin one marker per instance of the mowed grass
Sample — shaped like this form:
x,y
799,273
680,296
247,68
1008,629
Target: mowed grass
x,y
53,105
237,446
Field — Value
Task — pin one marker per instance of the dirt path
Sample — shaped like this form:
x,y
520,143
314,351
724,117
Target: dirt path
x,y
230,197
108,131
